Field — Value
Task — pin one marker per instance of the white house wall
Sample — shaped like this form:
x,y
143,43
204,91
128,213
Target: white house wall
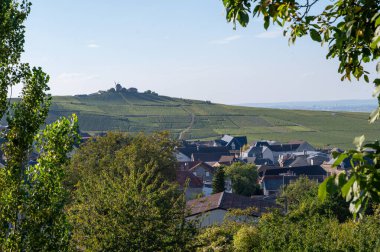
x,y
268,154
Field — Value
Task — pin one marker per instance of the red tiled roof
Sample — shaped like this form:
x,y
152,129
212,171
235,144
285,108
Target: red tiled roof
x,y
205,165
226,159
194,181
188,165
226,201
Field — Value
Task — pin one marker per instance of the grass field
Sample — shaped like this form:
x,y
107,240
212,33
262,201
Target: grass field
x,y
135,112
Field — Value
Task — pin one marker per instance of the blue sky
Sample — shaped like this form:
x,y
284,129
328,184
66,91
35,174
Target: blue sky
x,y
180,48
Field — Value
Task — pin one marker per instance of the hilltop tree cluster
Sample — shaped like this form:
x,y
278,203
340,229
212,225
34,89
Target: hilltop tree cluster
x,y
132,90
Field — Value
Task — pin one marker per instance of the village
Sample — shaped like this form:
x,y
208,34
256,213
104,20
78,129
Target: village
x,y
278,164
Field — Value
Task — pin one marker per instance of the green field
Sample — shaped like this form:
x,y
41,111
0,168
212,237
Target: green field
x,y
135,112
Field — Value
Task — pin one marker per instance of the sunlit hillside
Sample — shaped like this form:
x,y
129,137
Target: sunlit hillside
x,y
192,119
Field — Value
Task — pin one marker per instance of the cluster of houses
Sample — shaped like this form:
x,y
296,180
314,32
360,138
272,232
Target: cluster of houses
x,y
278,164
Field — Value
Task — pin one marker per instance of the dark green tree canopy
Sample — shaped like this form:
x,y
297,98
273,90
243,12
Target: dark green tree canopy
x,y
13,14
218,180
123,198
243,178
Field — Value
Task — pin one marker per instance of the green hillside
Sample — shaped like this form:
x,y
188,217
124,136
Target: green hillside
x,y
191,119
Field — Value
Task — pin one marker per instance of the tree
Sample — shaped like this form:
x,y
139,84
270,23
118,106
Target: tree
x,y
361,185
243,178
12,16
218,180
246,239
32,198
123,198
300,199
351,28
118,87
132,90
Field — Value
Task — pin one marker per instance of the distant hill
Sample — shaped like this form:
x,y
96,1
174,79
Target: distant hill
x,y
339,105
191,119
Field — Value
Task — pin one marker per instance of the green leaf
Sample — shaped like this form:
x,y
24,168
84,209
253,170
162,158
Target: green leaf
x,y
322,191
243,18
366,78
315,35
377,23
374,116
376,91
375,43
266,22
340,159
375,17
346,187
226,3
341,179
358,141
366,59
325,188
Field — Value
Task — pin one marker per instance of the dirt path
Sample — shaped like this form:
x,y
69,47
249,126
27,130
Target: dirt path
x,y
183,132
125,99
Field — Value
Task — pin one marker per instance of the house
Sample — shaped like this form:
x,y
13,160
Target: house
x,y
185,166
212,210
273,178
194,186
271,184
201,153
203,171
208,157
258,153
226,161
304,158
233,143
181,157
289,148
301,170
318,159
274,151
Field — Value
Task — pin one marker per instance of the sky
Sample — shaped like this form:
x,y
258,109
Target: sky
x,y
178,48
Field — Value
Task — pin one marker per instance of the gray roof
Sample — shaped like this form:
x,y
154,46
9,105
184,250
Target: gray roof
x,y
299,161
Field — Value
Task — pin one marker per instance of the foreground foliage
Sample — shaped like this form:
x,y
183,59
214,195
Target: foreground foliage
x,y
32,197
123,198
310,225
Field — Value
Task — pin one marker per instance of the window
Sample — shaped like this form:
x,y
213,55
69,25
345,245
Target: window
x,y
207,174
